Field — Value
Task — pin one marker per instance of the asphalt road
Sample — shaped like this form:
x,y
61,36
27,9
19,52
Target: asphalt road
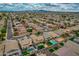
x,y
9,30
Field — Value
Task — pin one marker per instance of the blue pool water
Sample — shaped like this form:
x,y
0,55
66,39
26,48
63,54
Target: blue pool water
x,y
53,42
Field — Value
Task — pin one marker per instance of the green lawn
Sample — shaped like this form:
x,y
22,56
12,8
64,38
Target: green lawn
x,y
25,53
41,46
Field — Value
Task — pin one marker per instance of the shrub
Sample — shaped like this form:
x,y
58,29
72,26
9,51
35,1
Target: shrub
x,y
3,30
40,46
29,30
51,50
62,44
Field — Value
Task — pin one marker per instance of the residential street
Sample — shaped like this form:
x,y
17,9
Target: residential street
x,y
9,30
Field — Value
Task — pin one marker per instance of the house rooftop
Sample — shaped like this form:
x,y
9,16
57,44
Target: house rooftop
x,y
53,34
46,35
61,39
25,42
37,39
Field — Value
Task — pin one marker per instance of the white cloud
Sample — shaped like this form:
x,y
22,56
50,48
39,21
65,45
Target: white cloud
x,y
38,6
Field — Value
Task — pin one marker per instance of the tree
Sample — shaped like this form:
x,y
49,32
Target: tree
x,y
77,33
62,44
41,46
72,38
25,53
38,33
3,30
51,50
29,30
15,33
2,37
56,48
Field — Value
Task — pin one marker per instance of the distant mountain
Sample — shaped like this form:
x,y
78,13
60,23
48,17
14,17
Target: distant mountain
x,y
44,11
38,11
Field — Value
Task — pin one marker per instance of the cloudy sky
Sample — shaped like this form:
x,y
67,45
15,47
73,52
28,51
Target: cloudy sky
x,y
72,7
